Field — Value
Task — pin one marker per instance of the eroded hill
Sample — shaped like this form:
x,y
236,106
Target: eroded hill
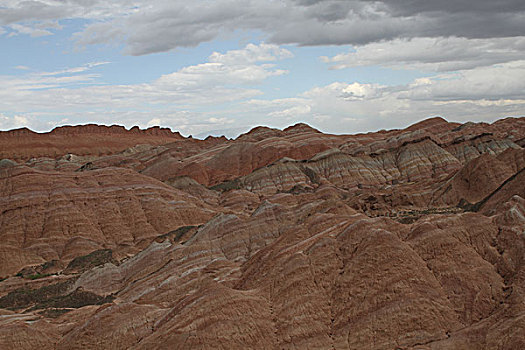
x,y
280,239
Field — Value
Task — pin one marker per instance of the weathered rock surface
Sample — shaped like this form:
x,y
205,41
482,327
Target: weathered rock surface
x,y
281,239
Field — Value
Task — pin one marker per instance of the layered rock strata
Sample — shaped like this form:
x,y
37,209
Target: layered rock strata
x,y
281,239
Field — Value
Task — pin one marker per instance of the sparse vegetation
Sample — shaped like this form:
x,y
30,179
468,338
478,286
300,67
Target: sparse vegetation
x,y
312,175
54,313
37,276
49,264
57,296
86,167
298,189
76,299
177,234
227,186
91,260
410,216
24,297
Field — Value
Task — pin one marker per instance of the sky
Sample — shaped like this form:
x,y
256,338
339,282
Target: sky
x,y
224,66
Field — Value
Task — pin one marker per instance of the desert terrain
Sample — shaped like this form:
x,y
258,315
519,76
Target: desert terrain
x,y
279,239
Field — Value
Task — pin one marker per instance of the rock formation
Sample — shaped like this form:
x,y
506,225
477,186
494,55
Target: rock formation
x,y
280,239
23,144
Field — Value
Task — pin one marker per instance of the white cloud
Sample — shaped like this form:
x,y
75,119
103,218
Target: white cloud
x,y
153,122
49,25
435,54
73,70
184,99
504,81
212,74
484,93
13,122
100,32
220,120
251,54
201,84
232,67
18,29
292,112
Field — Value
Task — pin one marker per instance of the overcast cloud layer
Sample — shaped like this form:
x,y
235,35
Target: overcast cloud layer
x,y
473,51
148,26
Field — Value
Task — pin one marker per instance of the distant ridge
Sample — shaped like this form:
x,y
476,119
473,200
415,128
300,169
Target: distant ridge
x,y
95,129
87,140
94,140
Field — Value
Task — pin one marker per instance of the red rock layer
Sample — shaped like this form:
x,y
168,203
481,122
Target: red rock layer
x,y
97,140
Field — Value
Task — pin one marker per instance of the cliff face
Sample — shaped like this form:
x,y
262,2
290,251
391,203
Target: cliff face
x,y
292,239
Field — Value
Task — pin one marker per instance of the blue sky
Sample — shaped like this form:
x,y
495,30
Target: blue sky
x,y
228,65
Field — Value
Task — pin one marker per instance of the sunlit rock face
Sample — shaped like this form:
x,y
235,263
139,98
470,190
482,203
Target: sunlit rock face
x,y
280,239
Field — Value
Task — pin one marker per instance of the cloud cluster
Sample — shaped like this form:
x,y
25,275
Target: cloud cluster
x,y
237,67
221,94
473,53
148,26
13,122
178,99
433,54
481,94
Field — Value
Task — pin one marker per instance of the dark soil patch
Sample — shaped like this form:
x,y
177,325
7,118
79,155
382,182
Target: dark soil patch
x,y
178,234
54,313
87,262
76,299
227,186
56,296
24,297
